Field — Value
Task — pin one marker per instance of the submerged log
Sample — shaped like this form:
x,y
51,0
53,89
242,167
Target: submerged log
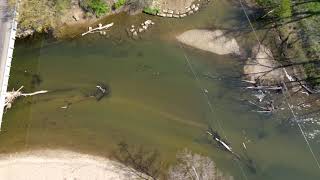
x,y
215,136
222,143
265,87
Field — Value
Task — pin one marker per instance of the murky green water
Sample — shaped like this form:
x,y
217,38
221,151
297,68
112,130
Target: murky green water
x,y
155,101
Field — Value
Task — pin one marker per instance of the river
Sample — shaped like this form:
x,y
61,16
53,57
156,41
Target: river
x,y
155,100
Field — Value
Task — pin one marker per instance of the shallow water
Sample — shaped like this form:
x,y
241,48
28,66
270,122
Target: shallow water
x,y
155,101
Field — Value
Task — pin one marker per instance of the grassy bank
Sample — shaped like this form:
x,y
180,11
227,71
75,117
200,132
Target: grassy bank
x,y
47,15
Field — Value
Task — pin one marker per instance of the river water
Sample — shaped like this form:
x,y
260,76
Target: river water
x,y
155,100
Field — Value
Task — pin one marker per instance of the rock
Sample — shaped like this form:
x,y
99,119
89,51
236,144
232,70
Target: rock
x,y
176,16
147,22
183,15
165,10
169,15
196,8
132,30
132,26
135,34
24,33
190,12
145,27
193,6
170,11
188,9
140,30
163,15
90,28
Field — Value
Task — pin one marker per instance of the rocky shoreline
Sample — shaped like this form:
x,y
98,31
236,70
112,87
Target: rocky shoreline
x,y
179,14
176,12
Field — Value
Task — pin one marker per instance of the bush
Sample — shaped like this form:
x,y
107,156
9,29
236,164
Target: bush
x,y
119,3
143,160
265,3
138,5
97,7
285,9
192,166
152,11
313,75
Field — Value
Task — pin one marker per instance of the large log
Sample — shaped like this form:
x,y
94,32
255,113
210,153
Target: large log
x,y
265,87
12,95
98,29
34,93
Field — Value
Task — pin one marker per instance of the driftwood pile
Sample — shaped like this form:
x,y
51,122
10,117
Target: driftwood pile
x,y
264,102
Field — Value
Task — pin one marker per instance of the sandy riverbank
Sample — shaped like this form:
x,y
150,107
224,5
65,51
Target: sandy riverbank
x,y
61,164
213,41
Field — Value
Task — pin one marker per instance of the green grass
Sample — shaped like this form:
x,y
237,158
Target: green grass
x,y
285,10
97,7
152,11
119,4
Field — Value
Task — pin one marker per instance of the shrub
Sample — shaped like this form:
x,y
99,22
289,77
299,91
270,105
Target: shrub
x,y
119,3
138,5
141,159
285,9
313,75
192,166
265,2
152,11
97,7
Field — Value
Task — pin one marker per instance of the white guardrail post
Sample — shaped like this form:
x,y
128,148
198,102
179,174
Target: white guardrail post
x,y
7,67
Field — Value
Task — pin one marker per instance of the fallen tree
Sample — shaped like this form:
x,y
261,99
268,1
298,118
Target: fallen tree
x,y
100,29
13,95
